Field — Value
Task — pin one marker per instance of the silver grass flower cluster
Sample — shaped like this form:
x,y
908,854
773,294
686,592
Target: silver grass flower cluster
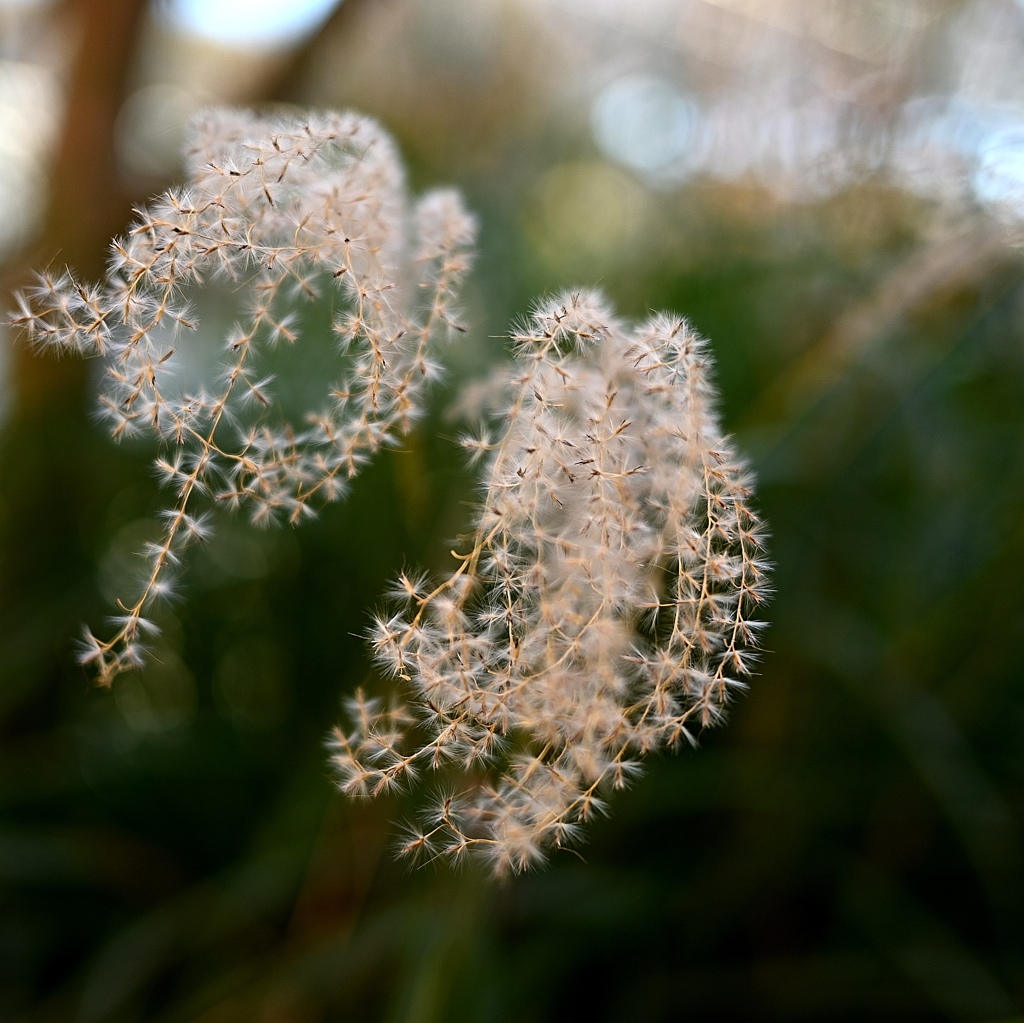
x,y
606,604
603,609
279,210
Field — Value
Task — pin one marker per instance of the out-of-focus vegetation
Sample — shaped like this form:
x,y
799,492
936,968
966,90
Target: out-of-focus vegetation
x,y
834,194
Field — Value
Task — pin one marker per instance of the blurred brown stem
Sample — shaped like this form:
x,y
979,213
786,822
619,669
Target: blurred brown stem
x,y
953,260
87,202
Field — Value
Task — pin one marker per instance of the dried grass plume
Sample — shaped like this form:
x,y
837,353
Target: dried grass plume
x,y
281,210
605,607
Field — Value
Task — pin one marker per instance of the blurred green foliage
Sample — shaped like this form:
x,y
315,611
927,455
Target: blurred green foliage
x,y
849,846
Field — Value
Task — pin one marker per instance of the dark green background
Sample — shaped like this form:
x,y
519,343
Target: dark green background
x,y
849,846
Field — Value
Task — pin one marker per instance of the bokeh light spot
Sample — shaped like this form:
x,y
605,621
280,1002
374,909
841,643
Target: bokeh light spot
x,y
588,215
1000,176
644,122
250,22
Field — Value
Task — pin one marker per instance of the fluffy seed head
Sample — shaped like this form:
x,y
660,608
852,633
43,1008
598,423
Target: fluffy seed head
x,y
285,210
606,606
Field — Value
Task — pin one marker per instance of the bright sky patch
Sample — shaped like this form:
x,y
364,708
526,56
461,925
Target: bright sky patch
x,y
251,22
